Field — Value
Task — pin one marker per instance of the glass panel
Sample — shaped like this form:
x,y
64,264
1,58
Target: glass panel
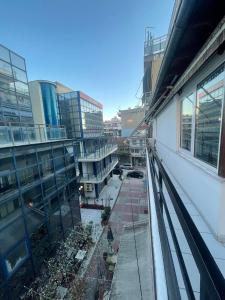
x,y
186,122
18,61
5,68
24,101
210,96
6,83
4,53
7,183
7,98
15,258
21,88
19,74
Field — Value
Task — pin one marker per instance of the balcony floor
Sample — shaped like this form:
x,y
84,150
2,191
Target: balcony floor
x,y
130,209
129,220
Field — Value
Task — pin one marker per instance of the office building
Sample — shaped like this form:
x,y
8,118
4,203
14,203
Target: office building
x,y
83,118
39,201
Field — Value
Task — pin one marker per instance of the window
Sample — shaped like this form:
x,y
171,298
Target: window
x,y
5,68
16,257
210,94
19,74
17,61
186,122
22,88
4,54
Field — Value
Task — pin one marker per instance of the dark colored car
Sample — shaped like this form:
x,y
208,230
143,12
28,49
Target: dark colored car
x,y
117,171
135,174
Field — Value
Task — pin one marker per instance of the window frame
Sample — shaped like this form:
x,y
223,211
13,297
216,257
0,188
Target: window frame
x,y
191,151
220,168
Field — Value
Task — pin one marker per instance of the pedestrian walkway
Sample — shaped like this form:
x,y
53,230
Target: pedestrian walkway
x,y
129,210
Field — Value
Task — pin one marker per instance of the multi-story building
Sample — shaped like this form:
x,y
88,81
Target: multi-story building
x,y
82,116
39,199
123,151
154,49
137,145
112,127
15,104
186,158
135,133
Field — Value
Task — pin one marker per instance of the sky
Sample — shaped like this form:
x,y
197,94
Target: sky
x,y
95,46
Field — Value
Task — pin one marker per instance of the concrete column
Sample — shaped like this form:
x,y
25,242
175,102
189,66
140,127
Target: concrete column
x,y
96,191
95,168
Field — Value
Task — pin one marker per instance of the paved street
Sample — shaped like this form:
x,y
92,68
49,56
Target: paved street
x,y
131,206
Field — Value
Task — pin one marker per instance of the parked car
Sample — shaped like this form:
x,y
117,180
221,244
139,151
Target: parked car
x,y
117,171
126,167
135,174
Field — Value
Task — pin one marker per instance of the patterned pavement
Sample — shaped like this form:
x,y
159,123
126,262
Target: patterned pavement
x,y
131,206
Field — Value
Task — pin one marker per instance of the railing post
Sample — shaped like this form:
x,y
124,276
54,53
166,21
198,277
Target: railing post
x,y
160,191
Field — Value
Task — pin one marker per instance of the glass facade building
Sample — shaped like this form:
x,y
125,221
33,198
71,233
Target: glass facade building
x,y
81,115
49,98
39,204
39,178
15,103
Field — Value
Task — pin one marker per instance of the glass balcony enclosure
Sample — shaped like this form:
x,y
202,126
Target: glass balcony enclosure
x,y
22,133
101,174
96,149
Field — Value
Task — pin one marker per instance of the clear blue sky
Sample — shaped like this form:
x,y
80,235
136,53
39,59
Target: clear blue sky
x,y
91,45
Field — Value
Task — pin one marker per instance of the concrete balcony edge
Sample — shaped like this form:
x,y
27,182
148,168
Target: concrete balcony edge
x,y
93,180
98,158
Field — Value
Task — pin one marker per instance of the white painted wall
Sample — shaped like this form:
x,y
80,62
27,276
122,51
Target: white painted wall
x,y
90,194
198,181
37,104
38,109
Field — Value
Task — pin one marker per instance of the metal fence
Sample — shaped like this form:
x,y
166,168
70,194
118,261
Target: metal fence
x,y
212,282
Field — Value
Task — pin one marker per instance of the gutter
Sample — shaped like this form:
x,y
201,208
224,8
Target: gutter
x,y
179,27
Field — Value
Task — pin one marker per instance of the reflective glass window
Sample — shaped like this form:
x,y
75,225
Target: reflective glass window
x,y
6,83
18,61
8,98
4,54
22,88
24,101
19,74
16,257
210,95
186,122
5,68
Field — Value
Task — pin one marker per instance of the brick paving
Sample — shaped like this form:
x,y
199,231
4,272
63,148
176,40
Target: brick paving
x,y
132,198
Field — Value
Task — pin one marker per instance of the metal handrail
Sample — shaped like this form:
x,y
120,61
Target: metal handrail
x,y
212,282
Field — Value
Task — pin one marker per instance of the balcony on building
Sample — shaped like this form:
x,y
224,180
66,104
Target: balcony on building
x,y
15,134
96,149
90,177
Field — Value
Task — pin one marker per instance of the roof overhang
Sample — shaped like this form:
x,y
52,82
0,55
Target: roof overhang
x,y
193,24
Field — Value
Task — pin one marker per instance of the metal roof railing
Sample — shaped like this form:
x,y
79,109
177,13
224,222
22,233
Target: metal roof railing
x,y
212,282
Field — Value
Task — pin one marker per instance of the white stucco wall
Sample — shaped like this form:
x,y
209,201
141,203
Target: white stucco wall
x,y
197,180
37,104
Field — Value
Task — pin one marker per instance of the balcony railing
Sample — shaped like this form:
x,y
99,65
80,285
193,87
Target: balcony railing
x,y
162,192
97,153
12,134
101,175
